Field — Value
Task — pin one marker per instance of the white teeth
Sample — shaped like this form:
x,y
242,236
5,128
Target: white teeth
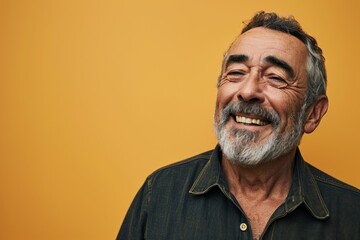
x,y
246,120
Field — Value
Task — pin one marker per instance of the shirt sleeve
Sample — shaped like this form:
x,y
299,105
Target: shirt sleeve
x,y
134,224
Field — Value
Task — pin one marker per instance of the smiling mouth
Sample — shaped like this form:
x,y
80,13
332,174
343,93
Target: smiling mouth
x,y
251,121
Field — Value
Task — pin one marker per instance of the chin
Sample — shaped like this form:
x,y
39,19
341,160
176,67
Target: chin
x,y
243,148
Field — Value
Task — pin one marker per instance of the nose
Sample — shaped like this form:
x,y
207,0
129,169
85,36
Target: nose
x,y
251,89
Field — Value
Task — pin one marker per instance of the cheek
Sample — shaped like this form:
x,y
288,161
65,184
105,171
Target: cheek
x,y
288,111
285,105
225,94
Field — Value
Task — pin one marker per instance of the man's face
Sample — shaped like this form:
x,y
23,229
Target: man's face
x,y
259,114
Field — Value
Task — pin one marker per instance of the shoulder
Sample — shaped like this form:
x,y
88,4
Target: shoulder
x,y
327,180
200,159
334,188
181,171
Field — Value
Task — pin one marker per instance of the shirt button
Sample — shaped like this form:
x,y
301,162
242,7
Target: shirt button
x,y
243,227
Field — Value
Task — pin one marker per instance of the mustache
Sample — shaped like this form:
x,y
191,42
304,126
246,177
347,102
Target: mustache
x,y
234,108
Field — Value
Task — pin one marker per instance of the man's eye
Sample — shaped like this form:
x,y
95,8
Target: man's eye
x,y
276,78
234,76
236,73
276,81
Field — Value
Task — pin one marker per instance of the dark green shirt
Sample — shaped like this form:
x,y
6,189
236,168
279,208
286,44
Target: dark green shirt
x,y
191,200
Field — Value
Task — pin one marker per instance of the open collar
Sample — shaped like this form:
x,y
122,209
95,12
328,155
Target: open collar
x,y
304,188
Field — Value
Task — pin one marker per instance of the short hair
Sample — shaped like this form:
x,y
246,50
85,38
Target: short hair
x,y
316,62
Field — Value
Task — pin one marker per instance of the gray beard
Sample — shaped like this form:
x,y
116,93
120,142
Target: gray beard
x,y
241,147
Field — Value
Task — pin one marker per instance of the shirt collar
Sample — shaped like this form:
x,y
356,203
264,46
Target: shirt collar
x,y
303,190
210,176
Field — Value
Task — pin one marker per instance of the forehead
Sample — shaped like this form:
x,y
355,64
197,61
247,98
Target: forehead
x,y
258,43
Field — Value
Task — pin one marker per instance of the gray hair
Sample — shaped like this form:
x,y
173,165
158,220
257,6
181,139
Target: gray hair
x,y
317,79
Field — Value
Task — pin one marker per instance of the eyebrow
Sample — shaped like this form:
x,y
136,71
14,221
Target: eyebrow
x,y
236,59
281,64
269,59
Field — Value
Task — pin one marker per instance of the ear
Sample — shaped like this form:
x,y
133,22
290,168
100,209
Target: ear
x,y
315,113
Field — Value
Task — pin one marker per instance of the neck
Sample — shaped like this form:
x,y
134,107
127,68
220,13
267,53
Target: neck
x,y
271,180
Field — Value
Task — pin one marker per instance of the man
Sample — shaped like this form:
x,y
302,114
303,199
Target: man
x,y
254,184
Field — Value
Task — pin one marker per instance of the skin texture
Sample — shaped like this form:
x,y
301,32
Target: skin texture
x,y
260,189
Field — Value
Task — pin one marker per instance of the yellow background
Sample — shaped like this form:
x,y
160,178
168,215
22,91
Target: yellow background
x,y
97,94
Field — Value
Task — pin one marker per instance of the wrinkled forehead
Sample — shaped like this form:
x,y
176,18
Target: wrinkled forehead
x,y
259,43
